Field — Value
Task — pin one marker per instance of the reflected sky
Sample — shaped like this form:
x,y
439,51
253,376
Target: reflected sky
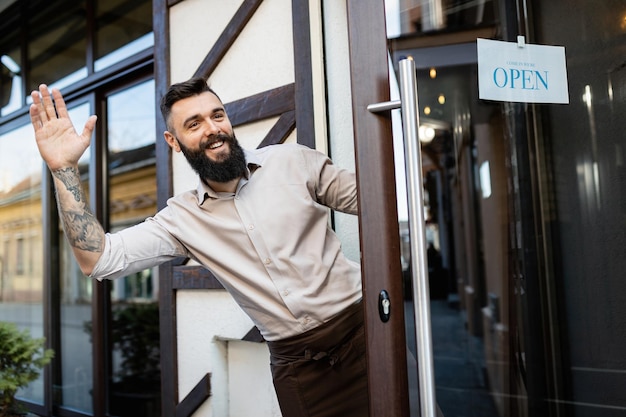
x,y
131,115
19,156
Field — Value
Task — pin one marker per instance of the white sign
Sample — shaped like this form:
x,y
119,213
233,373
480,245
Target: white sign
x,y
519,72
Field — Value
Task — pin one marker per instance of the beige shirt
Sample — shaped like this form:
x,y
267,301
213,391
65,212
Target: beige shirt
x,y
269,243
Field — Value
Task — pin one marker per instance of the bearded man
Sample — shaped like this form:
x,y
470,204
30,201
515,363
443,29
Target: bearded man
x,y
258,220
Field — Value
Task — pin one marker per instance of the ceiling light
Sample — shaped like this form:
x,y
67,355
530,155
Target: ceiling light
x,y
426,134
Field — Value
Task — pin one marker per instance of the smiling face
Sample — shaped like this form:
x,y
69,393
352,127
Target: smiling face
x,y
199,127
198,122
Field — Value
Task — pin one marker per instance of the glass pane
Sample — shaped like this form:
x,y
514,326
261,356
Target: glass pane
x,y
465,209
21,239
10,73
462,223
123,28
135,388
57,43
586,139
406,17
76,383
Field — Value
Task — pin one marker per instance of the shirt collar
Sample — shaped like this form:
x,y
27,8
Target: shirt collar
x,y
252,163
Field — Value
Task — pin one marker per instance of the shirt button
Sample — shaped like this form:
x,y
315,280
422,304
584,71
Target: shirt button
x,y
250,226
285,293
267,261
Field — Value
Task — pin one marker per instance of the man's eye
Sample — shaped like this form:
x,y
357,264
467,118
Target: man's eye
x,y
218,116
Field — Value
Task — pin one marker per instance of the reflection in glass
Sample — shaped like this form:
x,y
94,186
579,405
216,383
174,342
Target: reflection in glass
x,y
74,390
586,144
463,233
11,74
123,28
10,82
406,17
57,43
21,239
136,379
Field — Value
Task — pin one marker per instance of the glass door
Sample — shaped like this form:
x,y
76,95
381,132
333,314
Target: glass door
x,y
465,214
465,209
524,208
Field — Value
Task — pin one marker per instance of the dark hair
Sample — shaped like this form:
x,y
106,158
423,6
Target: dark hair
x,y
179,91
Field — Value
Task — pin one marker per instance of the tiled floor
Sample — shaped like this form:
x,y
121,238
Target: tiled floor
x,y
461,386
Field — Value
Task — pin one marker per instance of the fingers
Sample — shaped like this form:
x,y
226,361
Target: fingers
x,y
89,126
38,113
48,105
35,110
34,116
59,103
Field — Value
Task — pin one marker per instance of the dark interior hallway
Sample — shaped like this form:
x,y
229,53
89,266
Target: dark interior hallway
x,y
460,376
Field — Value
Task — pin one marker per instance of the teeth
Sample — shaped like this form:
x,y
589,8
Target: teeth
x,y
216,145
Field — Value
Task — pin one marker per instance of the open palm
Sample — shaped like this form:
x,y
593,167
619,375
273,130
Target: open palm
x,y
58,142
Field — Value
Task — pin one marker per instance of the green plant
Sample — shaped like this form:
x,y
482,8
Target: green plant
x,y
136,385
136,335
22,358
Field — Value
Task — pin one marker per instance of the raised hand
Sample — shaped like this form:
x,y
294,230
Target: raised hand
x,y
61,147
58,142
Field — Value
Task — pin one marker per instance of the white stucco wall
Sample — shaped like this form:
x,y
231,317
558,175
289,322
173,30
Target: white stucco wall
x,y
339,102
209,323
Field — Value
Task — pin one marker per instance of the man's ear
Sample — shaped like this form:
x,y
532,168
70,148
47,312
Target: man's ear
x,y
171,140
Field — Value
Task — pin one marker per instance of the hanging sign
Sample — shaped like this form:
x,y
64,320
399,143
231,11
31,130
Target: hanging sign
x,y
520,72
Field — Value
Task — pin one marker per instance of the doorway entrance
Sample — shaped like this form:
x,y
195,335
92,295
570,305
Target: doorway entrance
x,y
465,212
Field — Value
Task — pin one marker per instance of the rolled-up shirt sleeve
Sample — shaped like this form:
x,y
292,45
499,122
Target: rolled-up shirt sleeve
x,y
136,248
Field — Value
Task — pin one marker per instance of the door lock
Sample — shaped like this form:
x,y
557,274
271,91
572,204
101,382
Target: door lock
x,y
384,306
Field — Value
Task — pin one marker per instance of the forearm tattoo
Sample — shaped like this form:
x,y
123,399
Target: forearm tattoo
x,y
82,229
70,177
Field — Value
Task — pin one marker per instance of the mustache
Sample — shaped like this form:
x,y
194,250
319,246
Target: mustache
x,y
216,138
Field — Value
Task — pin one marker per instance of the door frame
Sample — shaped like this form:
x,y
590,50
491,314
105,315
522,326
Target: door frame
x,y
378,217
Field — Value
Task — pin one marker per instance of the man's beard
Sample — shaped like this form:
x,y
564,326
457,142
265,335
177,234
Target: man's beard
x,y
226,169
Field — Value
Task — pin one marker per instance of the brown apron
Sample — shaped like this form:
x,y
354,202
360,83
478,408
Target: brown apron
x,y
323,372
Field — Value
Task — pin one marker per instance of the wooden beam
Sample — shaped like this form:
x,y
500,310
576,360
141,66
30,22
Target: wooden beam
x,y
261,106
281,130
167,295
227,38
301,24
196,397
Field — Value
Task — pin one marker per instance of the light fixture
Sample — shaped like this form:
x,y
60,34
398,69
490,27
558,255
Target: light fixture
x,y
426,134
427,110
441,99
433,73
10,64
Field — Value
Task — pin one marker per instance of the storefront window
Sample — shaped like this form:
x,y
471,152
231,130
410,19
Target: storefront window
x,y
57,43
586,141
10,81
61,43
74,389
123,28
21,231
136,378
425,16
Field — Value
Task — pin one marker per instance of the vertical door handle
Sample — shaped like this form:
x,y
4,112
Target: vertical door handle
x,y
419,268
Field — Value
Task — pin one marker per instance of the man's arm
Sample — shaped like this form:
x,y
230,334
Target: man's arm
x,y
61,147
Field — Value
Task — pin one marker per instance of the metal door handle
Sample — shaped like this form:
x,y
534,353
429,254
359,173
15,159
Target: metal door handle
x,y
419,268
